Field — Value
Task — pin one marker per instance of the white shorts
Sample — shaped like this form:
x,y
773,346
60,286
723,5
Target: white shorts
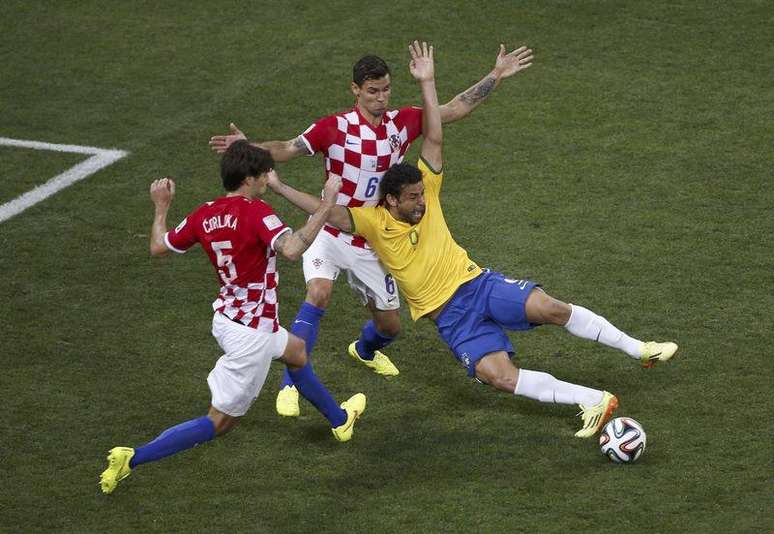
x,y
329,255
238,375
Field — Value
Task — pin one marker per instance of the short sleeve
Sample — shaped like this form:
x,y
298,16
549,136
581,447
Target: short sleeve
x,y
411,119
430,177
322,134
268,225
364,221
182,237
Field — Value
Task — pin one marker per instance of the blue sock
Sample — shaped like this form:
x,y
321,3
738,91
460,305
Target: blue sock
x,y
306,326
312,389
371,340
175,439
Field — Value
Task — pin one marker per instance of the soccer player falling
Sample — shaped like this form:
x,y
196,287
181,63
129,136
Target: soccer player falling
x,y
360,145
470,306
241,235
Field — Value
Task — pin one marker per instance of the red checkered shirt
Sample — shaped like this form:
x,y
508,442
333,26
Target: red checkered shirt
x,y
361,154
238,235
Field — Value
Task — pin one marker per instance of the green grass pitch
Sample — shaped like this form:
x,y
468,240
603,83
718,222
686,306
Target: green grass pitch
x,y
629,170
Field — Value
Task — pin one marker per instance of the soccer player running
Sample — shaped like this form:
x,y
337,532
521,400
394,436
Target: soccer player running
x,y
471,307
360,145
241,235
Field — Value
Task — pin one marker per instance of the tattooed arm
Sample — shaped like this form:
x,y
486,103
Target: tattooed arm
x,y
280,150
506,66
285,150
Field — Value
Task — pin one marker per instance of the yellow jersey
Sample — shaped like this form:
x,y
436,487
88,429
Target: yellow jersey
x,y
424,259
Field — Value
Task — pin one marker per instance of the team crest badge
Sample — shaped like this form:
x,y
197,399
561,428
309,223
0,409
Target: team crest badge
x,y
395,142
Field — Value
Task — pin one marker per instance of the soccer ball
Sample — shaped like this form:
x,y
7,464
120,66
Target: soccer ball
x,y
622,440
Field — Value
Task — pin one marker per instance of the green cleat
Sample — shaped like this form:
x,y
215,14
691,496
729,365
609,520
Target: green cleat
x,y
595,417
653,352
354,406
118,468
381,364
287,402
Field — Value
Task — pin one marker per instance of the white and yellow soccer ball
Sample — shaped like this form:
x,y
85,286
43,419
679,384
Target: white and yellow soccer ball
x,y
622,440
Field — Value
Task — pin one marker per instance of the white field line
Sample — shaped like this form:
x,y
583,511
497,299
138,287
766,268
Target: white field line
x,y
100,158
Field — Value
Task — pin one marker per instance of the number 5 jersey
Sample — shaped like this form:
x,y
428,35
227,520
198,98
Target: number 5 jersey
x,y
238,235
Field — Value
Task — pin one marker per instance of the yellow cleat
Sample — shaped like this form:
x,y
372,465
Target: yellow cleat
x,y
381,364
595,417
354,406
287,402
653,352
118,468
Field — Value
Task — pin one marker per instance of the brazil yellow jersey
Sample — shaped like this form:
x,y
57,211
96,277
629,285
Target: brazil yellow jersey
x,y
424,259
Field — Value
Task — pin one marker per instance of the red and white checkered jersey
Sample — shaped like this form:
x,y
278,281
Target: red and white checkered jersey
x,y
361,153
238,235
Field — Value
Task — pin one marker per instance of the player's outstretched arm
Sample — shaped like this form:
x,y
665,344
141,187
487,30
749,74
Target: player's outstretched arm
x,y
162,192
281,151
506,65
422,68
338,215
323,210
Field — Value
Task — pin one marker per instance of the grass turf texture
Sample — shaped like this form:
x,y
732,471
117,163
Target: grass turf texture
x,y
628,170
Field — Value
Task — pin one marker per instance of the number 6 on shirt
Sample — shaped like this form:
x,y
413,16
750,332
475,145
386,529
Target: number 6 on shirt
x,y
371,187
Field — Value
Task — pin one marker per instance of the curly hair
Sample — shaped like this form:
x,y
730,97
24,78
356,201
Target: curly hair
x,y
397,177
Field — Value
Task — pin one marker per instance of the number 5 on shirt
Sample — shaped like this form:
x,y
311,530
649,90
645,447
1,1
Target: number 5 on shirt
x,y
226,267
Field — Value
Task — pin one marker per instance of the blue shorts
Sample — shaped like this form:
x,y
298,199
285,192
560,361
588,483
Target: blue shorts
x,y
473,322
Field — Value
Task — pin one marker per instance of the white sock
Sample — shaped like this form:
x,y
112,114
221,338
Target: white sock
x,y
545,388
588,325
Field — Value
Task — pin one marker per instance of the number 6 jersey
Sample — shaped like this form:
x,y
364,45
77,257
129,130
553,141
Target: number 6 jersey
x,y
238,235
361,153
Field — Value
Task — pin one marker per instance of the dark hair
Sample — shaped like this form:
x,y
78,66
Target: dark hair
x,y
369,68
397,177
242,160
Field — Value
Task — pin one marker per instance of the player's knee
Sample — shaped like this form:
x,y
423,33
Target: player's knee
x,y
389,328
295,353
560,312
387,322
497,371
391,331
298,360
295,356
503,382
553,311
318,295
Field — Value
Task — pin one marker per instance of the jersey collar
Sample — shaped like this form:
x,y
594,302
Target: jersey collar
x,y
365,122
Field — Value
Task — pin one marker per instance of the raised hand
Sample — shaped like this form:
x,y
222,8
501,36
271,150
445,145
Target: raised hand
x,y
509,64
273,180
331,189
162,191
220,143
421,65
